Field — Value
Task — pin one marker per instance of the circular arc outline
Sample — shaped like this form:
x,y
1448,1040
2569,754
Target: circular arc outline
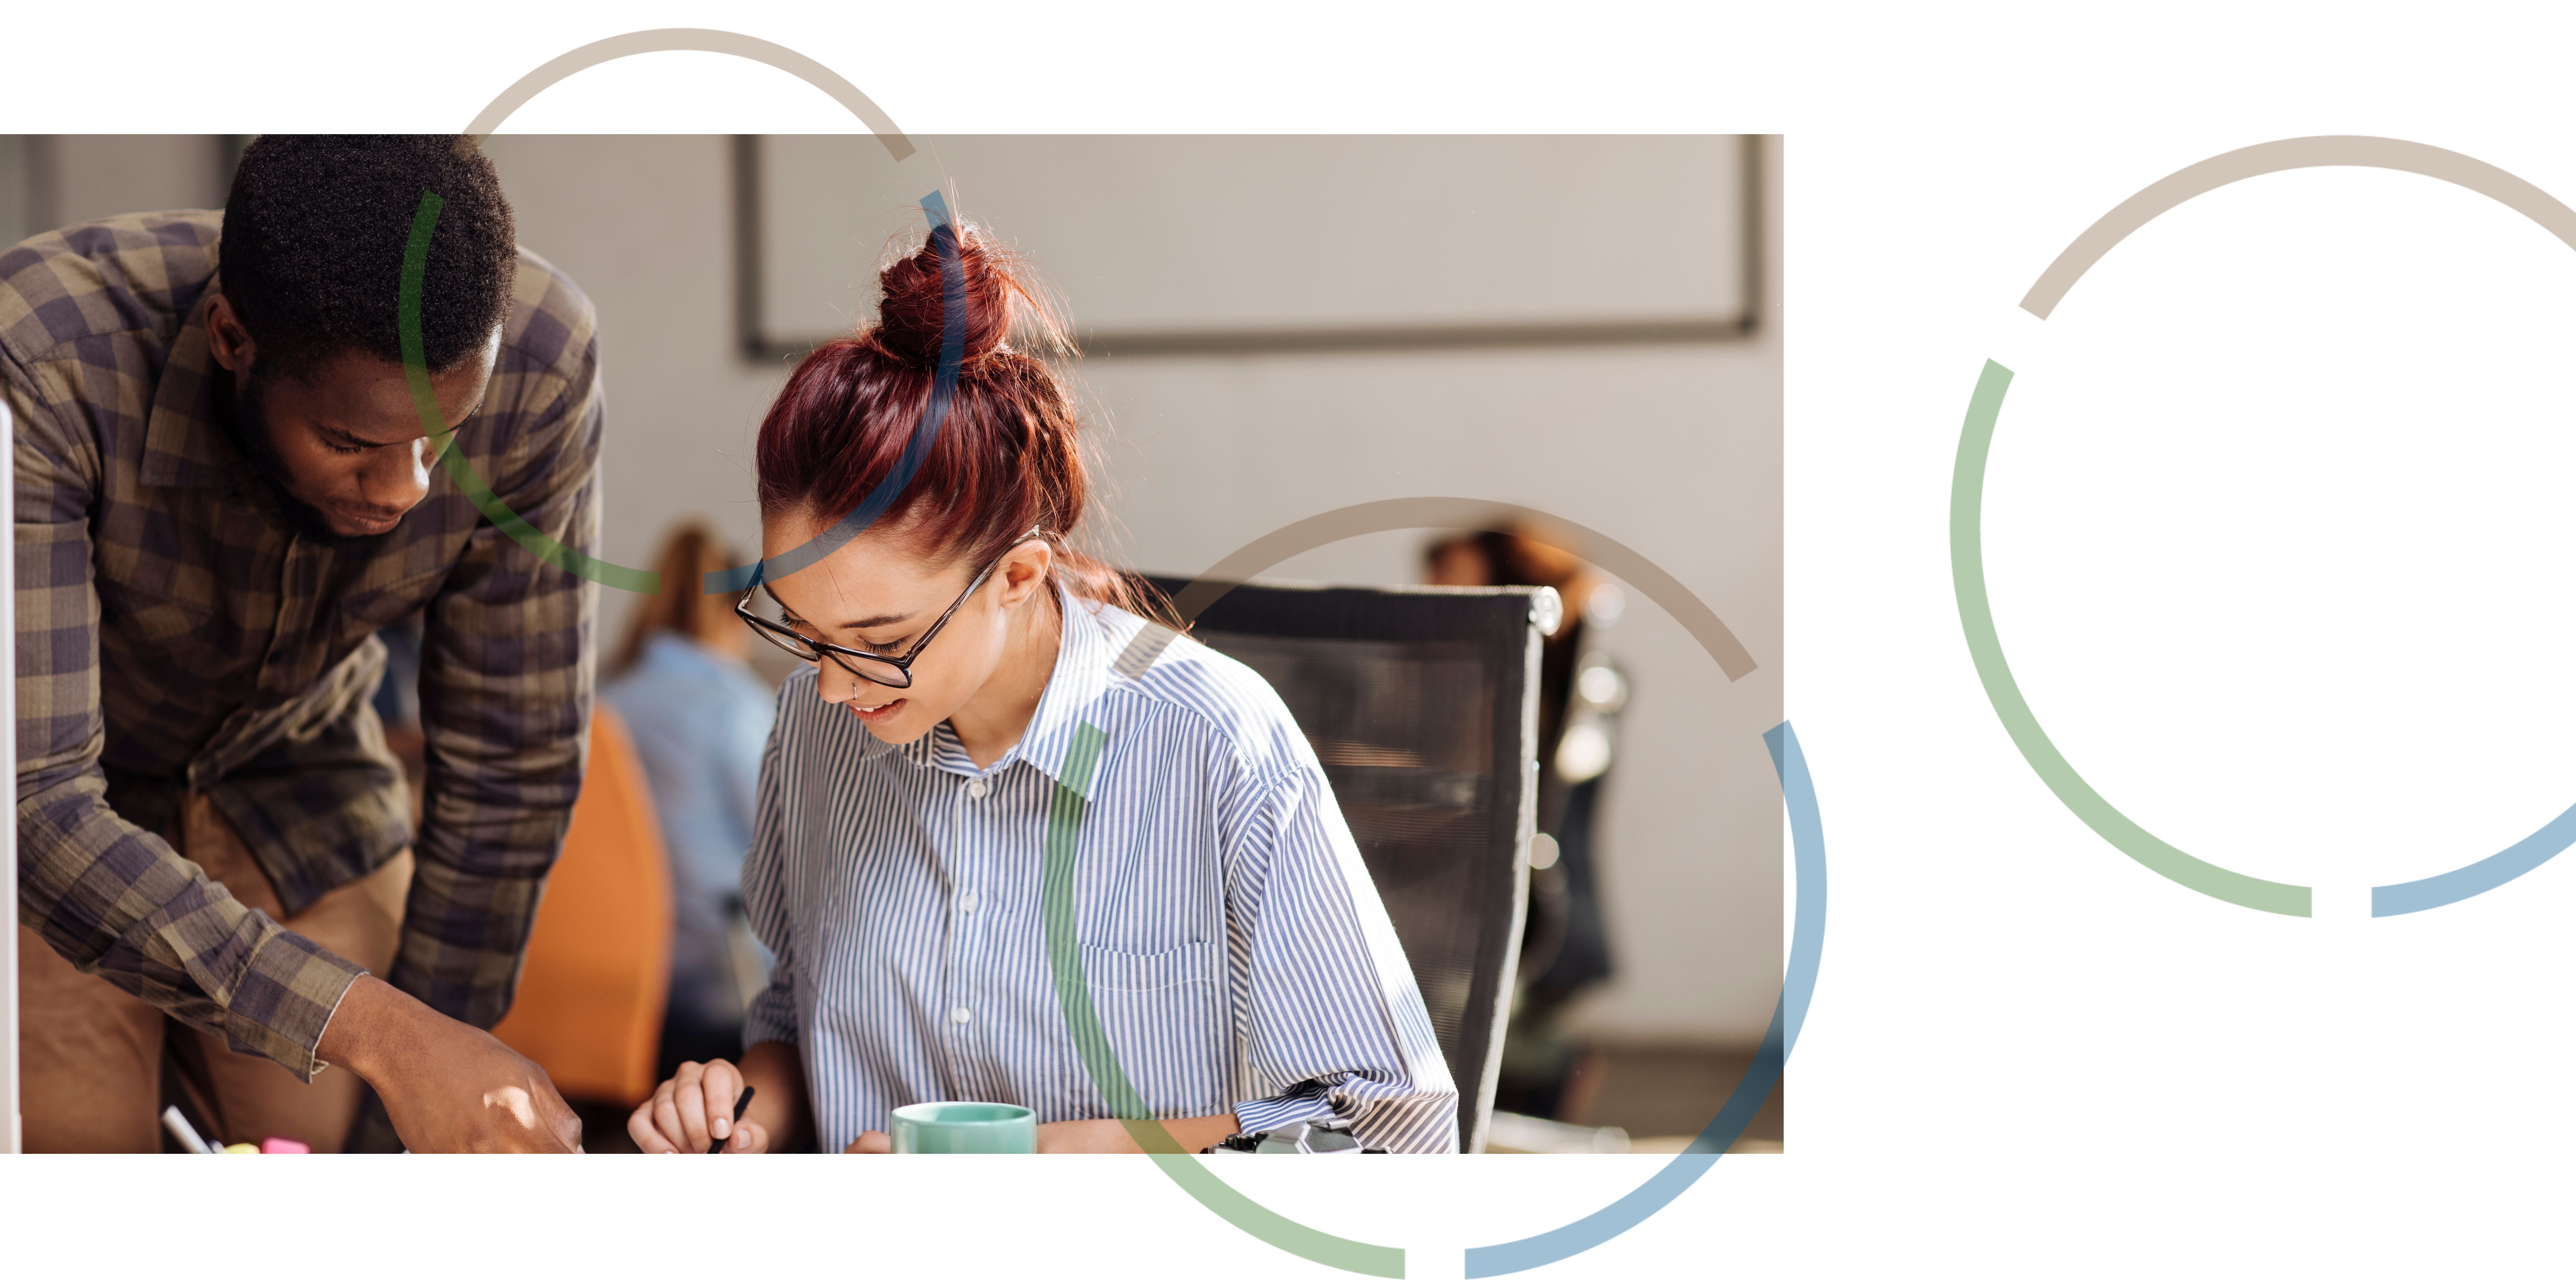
x,y
1967,486
942,236
698,40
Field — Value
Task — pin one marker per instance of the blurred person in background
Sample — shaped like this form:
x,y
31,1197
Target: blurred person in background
x,y
1547,1073
699,716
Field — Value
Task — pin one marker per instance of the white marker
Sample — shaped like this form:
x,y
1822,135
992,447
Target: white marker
x,y
178,1124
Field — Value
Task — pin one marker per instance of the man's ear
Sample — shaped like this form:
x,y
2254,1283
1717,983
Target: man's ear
x,y
226,336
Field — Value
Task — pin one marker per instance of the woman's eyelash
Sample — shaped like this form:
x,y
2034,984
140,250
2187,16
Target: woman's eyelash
x,y
805,628
343,448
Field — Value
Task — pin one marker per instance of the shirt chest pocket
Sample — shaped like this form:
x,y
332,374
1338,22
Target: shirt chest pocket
x,y
1163,1017
1151,892
156,620
1114,970
161,602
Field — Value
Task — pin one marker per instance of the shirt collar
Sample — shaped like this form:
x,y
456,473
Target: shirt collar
x,y
183,444
1072,697
1083,653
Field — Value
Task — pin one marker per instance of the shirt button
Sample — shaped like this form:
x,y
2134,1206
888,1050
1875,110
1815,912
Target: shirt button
x,y
975,789
967,902
961,1015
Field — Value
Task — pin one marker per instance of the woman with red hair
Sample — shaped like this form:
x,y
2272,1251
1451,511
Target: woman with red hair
x,y
978,680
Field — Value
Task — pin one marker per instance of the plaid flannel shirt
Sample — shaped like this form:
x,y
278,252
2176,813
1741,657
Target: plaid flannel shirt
x,y
175,634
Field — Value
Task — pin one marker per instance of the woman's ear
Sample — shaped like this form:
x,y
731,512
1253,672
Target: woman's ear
x,y
1023,571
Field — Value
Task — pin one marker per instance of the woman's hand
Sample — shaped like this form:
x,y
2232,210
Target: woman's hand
x,y
871,1142
693,1111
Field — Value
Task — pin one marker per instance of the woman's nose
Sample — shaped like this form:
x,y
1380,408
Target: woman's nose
x,y
837,685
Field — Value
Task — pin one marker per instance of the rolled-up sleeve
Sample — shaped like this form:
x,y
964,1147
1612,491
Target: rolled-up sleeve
x,y
1334,1022
112,898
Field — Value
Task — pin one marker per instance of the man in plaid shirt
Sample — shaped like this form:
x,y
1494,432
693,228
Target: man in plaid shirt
x,y
224,489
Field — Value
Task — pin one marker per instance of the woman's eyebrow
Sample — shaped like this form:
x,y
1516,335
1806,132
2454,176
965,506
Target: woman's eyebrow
x,y
864,623
881,619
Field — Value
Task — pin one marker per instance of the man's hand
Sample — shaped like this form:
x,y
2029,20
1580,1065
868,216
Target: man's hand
x,y
450,1088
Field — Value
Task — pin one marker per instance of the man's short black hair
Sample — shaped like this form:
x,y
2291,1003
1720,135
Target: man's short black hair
x,y
313,241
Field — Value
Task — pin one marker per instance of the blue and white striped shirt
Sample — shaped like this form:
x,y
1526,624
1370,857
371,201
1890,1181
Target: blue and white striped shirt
x,y
1233,945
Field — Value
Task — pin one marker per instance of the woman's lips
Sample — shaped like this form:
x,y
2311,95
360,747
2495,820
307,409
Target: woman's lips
x,y
881,714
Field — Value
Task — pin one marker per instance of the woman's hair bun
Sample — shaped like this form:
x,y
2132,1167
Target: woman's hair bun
x,y
1005,459
912,312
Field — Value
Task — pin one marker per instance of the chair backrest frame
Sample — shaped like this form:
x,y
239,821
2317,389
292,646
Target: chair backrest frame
x,y
1505,627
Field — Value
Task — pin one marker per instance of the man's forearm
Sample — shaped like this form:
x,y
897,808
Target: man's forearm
x,y
119,902
366,1025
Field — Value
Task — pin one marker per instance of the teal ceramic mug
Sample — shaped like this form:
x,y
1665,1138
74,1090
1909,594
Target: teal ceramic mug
x,y
964,1127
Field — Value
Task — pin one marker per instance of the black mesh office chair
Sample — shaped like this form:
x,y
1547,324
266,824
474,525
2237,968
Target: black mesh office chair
x,y
1422,704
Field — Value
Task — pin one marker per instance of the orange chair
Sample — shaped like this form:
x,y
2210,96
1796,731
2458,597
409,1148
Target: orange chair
x,y
589,1008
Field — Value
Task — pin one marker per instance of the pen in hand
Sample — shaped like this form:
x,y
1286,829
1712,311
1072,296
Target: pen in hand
x,y
740,1103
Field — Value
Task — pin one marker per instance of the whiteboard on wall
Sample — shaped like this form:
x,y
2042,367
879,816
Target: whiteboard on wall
x,y
1165,244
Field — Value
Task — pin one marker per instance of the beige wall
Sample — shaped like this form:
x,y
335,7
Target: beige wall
x,y
48,180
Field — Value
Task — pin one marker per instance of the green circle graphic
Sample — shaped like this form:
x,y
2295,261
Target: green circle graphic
x,y
1976,615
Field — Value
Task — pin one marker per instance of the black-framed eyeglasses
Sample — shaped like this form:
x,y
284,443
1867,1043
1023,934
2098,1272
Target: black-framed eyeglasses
x,y
875,668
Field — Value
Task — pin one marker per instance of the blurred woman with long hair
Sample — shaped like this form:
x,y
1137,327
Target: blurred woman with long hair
x,y
699,716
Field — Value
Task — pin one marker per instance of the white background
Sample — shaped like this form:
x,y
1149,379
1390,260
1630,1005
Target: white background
x,y
2276,549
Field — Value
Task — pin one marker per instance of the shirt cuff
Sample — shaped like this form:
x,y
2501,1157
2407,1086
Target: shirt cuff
x,y
285,999
1299,1103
